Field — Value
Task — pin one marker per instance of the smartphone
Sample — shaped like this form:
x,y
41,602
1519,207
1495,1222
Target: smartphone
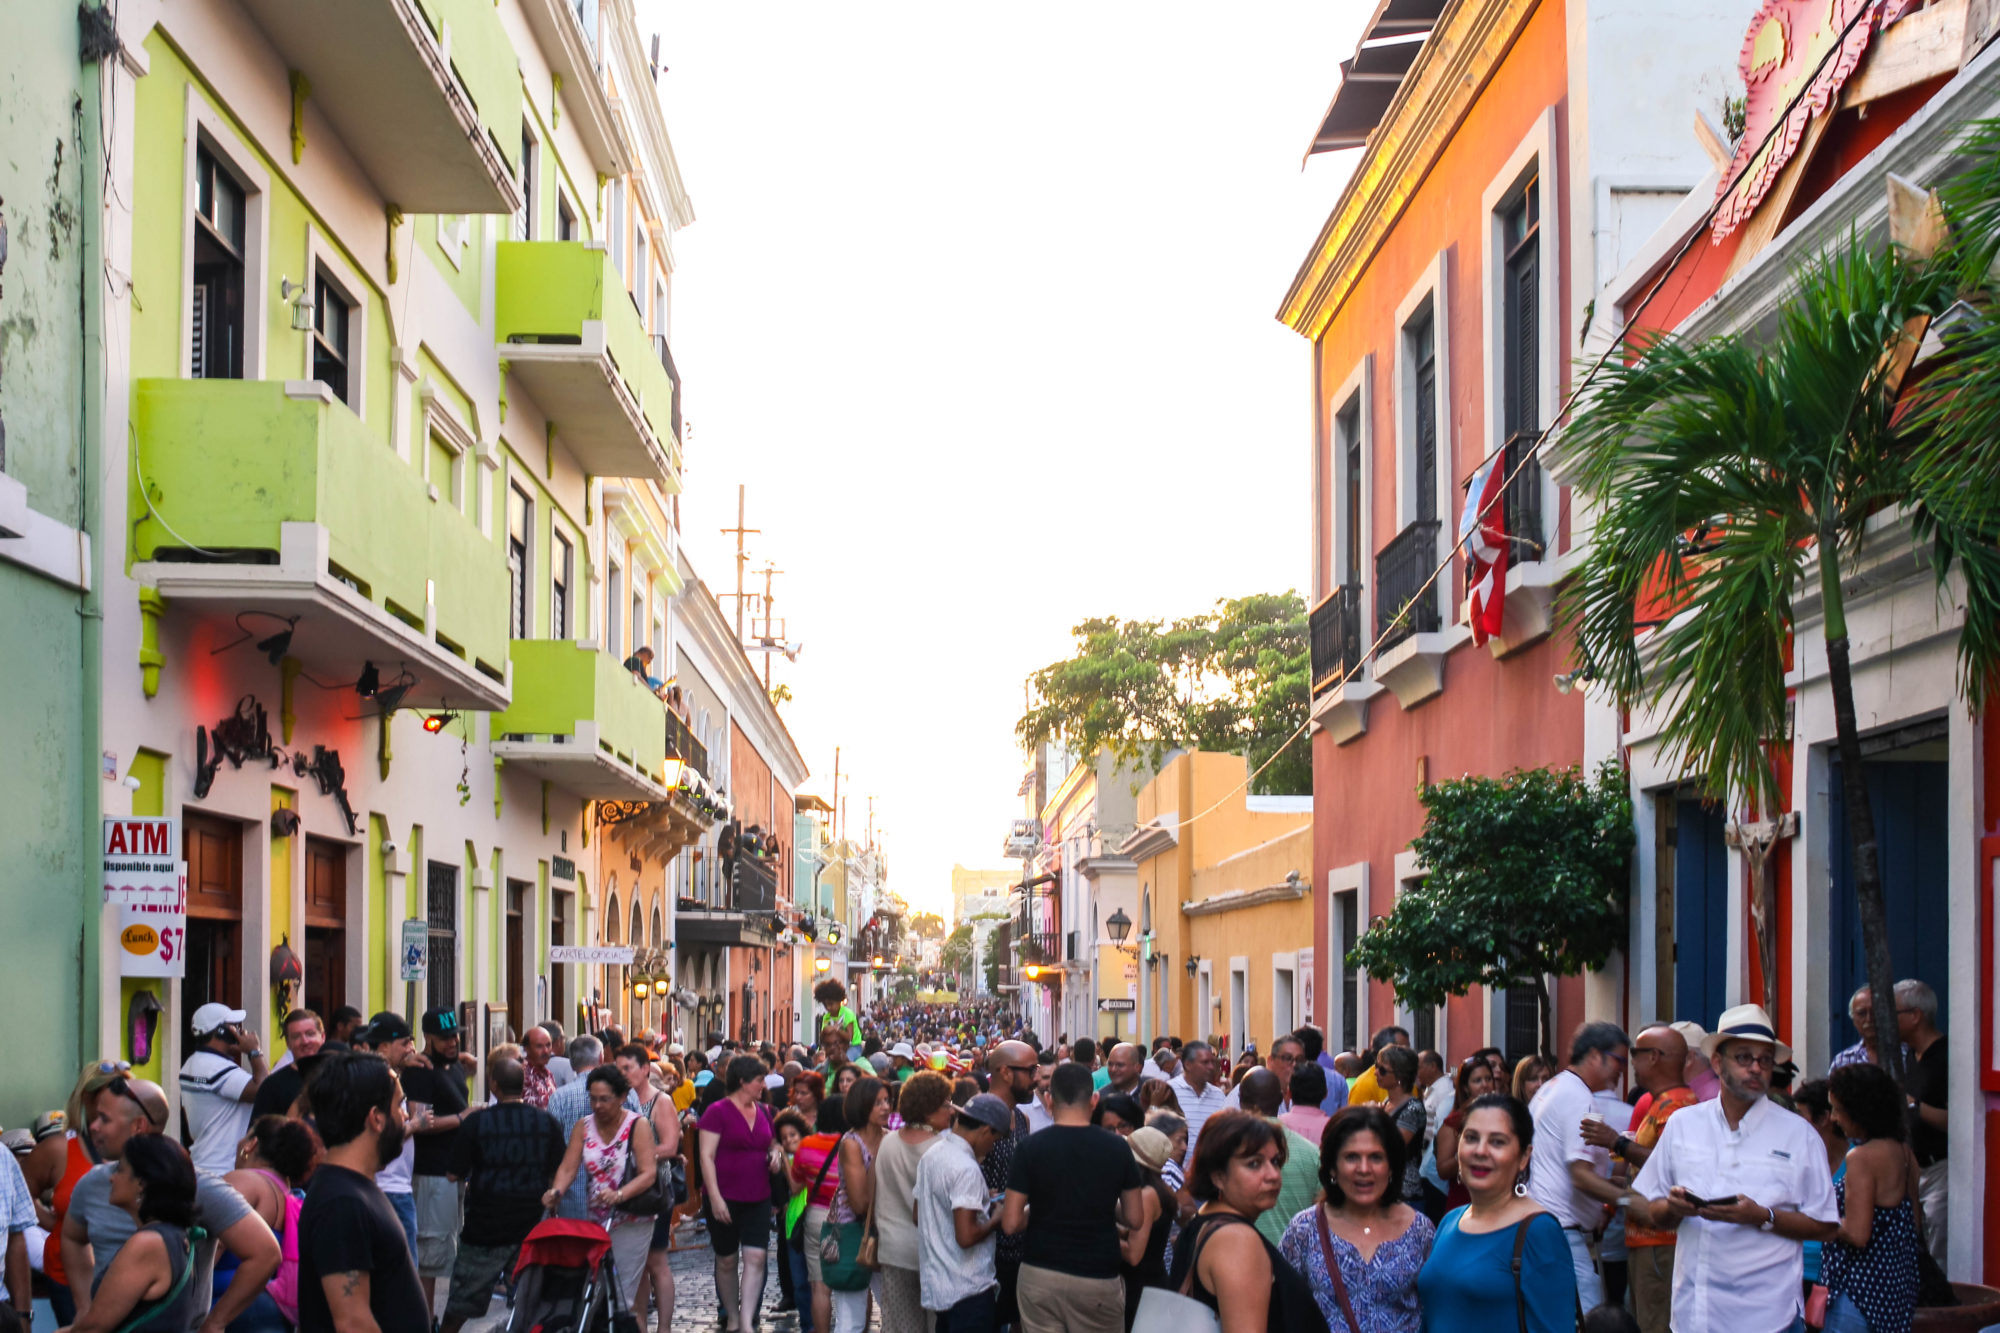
x,y
1723,1202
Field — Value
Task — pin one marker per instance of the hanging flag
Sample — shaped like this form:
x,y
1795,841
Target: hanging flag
x,y
1482,530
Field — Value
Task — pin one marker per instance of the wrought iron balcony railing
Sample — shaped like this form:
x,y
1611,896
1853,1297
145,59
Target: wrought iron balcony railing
x,y
1336,637
682,745
1404,605
1041,946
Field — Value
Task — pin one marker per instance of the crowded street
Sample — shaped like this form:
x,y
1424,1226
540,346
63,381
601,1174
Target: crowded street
x,y
1300,667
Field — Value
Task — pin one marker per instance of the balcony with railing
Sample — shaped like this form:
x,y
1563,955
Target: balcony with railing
x,y
569,334
567,36
1405,603
673,373
583,722
682,745
1336,637
1041,946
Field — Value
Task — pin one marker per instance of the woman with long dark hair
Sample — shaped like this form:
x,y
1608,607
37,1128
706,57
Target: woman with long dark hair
x,y
1470,1280
1870,1267
149,1287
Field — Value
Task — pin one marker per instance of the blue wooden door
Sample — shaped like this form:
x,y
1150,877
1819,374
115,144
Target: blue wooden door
x,y
1701,912
1909,800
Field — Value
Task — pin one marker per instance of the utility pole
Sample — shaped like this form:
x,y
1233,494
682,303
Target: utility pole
x,y
742,557
768,636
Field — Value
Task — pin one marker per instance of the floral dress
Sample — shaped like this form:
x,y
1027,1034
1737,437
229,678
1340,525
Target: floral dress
x,y
604,1168
1383,1290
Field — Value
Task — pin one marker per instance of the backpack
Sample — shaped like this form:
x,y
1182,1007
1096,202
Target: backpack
x,y
284,1284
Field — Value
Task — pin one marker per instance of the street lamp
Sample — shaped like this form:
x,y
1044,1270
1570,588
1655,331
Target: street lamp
x,y
1119,926
1193,966
822,964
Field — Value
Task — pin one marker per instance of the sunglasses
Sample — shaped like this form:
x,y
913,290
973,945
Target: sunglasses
x,y
113,1066
147,1098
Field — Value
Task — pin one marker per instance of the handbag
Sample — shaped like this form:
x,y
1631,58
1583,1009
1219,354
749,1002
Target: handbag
x,y
1816,1305
1176,1311
1520,1301
652,1200
869,1256
1333,1271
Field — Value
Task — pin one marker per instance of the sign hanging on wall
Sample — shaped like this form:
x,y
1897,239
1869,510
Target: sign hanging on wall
x,y
1307,999
152,936
416,950
142,865
608,955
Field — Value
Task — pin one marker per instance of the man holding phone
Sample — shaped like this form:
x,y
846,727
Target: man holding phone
x,y
1744,1184
216,1090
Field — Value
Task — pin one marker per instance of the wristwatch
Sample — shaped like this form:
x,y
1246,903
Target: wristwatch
x,y
1770,1223
1624,1142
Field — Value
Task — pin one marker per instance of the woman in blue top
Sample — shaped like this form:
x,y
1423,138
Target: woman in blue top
x,y
1468,1282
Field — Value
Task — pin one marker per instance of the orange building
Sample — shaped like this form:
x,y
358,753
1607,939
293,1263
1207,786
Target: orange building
x,y
1514,155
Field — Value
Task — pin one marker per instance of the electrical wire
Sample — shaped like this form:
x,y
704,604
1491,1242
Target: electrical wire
x,y
1867,13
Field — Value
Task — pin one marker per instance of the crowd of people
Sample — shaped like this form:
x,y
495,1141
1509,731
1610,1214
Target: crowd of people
x,y
943,1168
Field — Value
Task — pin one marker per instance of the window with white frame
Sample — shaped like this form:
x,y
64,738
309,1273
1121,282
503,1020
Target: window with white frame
x,y
221,247
520,529
1522,348
332,335
447,469
1351,504
452,231
1421,359
615,232
614,592
565,218
1521,305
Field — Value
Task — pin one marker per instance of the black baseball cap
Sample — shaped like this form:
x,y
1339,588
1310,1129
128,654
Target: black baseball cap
x,y
387,1026
440,1022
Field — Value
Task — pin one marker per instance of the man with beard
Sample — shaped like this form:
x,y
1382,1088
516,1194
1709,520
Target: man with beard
x,y
1744,1184
355,1270
1012,1068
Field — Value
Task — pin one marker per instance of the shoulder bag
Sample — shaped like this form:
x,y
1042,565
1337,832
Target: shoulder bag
x,y
1177,1311
840,1244
1340,1283
652,1200
1520,1301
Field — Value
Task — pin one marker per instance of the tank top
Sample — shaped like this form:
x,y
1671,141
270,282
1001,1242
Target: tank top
x,y
76,1164
175,1311
842,1211
1292,1306
1881,1277
604,1164
896,1187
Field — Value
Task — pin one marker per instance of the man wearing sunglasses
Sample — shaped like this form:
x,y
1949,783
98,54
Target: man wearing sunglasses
x,y
95,1229
437,1092
216,1090
1568,1176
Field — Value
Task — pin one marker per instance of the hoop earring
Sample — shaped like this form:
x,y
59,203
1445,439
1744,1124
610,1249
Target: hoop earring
x,y
1521,1185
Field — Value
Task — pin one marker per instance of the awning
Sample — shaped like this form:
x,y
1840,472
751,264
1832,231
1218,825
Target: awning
x,y
1368,83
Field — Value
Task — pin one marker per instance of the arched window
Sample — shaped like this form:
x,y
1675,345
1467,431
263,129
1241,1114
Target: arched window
x,y
638,923
656,925
611,919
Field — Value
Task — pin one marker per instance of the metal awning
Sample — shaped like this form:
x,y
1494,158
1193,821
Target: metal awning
x,y
1368,83
1402,18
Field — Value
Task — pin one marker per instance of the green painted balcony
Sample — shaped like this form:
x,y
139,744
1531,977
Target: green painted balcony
x,y
424,94
581,721
570,335
266,500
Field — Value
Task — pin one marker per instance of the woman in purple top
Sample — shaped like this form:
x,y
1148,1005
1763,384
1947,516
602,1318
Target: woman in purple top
x,y
738,1155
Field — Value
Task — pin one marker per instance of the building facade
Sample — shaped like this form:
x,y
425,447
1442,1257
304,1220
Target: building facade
x,y
396,433
1891,132
1498,190
1225,902
54,95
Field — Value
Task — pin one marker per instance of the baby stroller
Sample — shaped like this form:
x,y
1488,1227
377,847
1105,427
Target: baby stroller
x,y
567,1282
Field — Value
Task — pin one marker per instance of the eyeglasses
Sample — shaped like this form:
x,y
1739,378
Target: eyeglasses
x,y
1021,1069
1748,1060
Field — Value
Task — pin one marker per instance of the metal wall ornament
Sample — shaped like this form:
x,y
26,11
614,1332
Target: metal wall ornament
x,y
242,736
619,812
326,769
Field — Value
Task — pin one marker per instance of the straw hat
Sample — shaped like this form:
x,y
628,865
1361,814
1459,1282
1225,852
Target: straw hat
x,y
1746,1022
1151,1147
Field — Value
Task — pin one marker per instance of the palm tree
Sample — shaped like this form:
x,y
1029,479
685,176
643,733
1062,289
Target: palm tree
x,y
1731,475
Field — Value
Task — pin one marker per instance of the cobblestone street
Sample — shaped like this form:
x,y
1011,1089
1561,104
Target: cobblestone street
x,y
695,1307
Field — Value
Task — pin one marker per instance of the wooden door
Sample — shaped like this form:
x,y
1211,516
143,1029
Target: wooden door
x,y
213,849
518,894
326,926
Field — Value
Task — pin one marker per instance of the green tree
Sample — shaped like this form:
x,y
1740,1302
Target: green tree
x,y
1524,877
1733,479
1235,679
927,926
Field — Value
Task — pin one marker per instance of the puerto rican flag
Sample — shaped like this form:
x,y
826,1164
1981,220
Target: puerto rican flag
x,y
1482,530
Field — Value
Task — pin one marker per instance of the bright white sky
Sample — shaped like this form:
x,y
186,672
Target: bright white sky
x,y
979,306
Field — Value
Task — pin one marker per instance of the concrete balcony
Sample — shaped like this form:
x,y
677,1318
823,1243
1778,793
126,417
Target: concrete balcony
x,y
570,335
425,94
272,497
567,31
579,720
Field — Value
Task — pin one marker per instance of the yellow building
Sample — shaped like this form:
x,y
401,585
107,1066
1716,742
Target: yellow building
x,y
1225,885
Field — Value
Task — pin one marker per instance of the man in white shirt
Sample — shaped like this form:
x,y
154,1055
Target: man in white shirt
x,y
1036,1108
956,1218
216,1090
1567,1176
1437,1092
1744,1183
1195,1088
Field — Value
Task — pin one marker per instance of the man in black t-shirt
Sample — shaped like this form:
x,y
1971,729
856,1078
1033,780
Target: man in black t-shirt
x,y
438,1100
506,1155
303,1036
1066,1188
354,1260
1928,1075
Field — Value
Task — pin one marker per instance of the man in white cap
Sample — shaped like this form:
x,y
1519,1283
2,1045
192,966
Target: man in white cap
x,y
1744,1183
902,1061
216,1090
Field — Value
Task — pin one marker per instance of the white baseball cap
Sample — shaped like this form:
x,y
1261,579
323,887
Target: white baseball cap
x,y
212,1016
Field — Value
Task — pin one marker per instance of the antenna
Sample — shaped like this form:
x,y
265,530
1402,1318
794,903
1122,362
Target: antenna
x,y
742,557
